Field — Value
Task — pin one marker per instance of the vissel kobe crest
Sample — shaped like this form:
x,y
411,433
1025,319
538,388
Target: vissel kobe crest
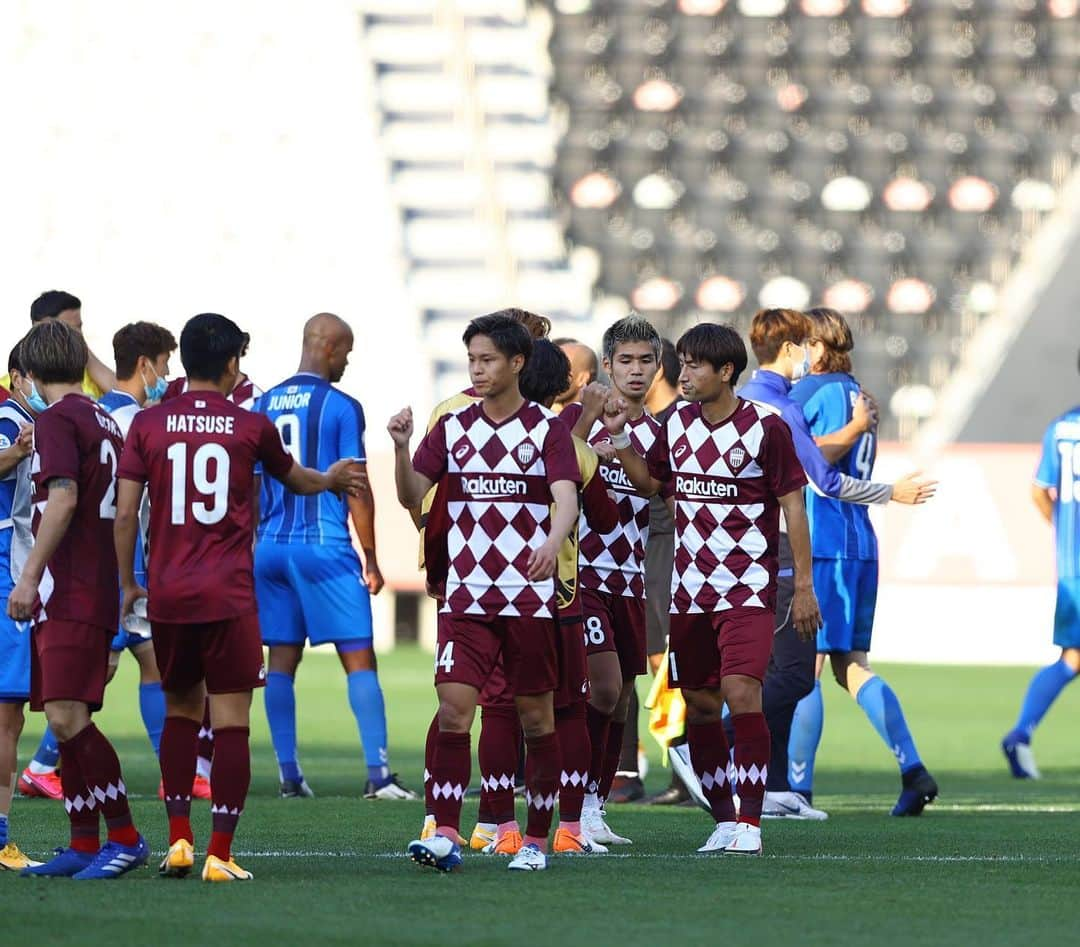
x,y
736,458
525,453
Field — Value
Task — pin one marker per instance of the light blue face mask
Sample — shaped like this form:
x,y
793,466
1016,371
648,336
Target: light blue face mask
x,y
803,369
156,391
36,402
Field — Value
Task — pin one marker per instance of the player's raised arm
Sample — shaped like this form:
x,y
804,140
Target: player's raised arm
x,y
345,476
864,417
805,614
616,414
412,485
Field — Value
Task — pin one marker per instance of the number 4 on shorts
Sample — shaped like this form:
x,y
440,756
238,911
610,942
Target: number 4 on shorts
x,y
446,659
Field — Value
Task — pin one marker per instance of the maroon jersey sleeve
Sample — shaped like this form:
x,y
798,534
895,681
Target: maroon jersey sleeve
x,y
275,460
560,458
430,457
132,463
658,458
57,444
601,512
571,413
783,472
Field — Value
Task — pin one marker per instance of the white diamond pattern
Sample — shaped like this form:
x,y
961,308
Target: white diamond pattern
x,y
447,791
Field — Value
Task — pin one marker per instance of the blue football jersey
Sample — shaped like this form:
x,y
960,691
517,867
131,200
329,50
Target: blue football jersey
x,y
16,491
1059,470
838,530
319,425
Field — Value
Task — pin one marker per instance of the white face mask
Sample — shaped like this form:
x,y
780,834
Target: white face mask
x,y
801,369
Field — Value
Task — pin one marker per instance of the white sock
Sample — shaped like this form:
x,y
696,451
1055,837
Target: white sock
x,y
40,769
202,767
591,801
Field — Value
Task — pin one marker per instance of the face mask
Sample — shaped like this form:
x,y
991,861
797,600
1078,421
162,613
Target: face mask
x,y
156,391
36,402
802,369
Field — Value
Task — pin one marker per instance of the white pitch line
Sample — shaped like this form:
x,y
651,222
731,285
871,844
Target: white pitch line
x,y
693,856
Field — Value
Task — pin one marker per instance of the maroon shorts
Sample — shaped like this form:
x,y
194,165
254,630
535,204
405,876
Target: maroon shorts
x,y
496,690
227,654
573,663
469,647
69,660
616,623
705,648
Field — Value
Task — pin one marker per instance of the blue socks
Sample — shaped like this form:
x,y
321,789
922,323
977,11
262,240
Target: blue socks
x,y
281,714
1041,693
881,706
806,727
366,701
48,751
3,830
152,708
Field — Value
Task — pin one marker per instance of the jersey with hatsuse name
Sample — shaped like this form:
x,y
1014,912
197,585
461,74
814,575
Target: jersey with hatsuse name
x,y
16,492
76,439
838,530
498,491
614,562
725,479
197,454
1059,470
319,425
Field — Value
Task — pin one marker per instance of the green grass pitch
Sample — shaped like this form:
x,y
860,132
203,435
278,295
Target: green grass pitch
x,y
988,864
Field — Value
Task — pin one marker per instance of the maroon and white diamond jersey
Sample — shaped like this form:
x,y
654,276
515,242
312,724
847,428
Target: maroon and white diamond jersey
x,y
498,488
725,480
615,562
244,395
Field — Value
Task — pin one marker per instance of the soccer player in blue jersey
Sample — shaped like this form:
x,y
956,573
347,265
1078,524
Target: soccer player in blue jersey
x,y
16,446
846,573
142,352
1056,493
310,583
779,339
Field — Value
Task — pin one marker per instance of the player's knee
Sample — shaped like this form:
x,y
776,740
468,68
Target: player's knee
x,y
742,695
454,717
604,695
703,706
1071,656
11,721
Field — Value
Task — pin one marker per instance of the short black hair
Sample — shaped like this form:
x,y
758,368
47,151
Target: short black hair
x,y
719,345
140,338
208,343
509,336
631,328
669,362
54,353
547,373
51,303
14,362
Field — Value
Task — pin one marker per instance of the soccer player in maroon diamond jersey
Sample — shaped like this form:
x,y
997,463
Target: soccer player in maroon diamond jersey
x,y
612,564
244,393
196,455
730,467
506,461
72,600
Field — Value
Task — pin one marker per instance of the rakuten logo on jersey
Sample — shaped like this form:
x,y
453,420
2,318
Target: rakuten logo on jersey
x,y
615,477
699,488
493,488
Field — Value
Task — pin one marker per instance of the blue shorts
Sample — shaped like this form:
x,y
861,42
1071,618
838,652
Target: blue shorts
x,y
15,647
312,593
1067,614
847,595
124,639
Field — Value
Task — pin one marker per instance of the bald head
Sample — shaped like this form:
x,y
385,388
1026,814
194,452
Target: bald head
x,y
583,368
328,340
